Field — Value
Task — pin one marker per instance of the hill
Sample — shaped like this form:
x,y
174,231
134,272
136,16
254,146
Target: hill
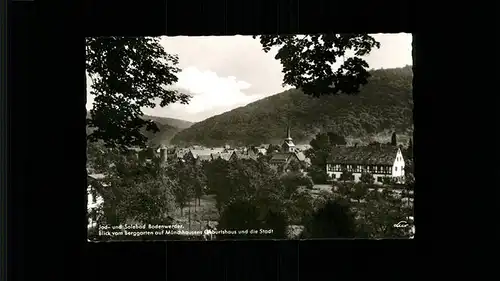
x,y
385,104
168,128
177,123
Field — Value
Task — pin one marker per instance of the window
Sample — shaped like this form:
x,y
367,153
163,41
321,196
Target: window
x,y
402,168
396,169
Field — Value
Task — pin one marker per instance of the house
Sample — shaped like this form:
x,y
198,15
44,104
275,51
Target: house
x,y
379,160
243,155
222,155
94,198
198,155
283,160
261,151
218,149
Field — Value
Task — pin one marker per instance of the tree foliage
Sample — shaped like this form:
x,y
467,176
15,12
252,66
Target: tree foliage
x,y
317,174
241,178
367,178
321,147
244,214
377,209
135,191
128,74
308,61
346,175
394,140
191,179
333,220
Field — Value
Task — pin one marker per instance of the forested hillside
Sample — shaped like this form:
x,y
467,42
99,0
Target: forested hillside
x,y
384,105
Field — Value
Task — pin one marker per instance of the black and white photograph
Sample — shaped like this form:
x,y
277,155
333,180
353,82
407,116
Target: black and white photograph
x,y
250,137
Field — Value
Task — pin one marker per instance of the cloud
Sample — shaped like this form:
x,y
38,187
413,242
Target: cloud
x,y
211,95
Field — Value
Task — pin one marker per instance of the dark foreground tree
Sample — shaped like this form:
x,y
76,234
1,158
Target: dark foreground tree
x,y
243,216
394,140
321,147
307,61
334,220
367,178
128,74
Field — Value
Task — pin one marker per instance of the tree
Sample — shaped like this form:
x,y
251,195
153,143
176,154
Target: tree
x,y
317,174
394,140
190,176
409,150
382,213
293,181
334,220
346,176
359,191
135,191
128,74
237,179
367,178
295,166
307,61
272,148
149,201
389,181
243,214
336,139
294,197
321,147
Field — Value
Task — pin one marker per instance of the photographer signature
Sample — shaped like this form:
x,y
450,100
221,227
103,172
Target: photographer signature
x,y
401,224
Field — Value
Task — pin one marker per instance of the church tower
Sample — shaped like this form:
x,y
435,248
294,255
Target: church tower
x,y
288,145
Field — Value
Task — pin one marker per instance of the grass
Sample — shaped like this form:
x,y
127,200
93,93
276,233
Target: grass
x,y
206,211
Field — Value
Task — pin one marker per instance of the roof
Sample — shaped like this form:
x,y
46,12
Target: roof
x,y
244,155
222,155
201,152
205,157
371,154
303,146
218,149
280,156
300,156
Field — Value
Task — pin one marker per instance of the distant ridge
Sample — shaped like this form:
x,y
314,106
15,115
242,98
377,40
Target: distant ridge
x,y
168,128
384,105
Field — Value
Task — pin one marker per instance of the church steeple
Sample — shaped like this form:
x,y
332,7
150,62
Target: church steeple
x,y
288,145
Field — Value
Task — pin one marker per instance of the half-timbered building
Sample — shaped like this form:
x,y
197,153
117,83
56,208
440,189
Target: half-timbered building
x,y
381,161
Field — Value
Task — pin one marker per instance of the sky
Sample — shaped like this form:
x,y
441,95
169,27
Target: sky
x,y
222,73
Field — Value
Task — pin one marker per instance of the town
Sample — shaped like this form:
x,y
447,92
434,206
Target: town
x,y
346,169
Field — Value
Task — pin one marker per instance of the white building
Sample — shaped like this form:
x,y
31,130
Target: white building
x,y
381,161
94,199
